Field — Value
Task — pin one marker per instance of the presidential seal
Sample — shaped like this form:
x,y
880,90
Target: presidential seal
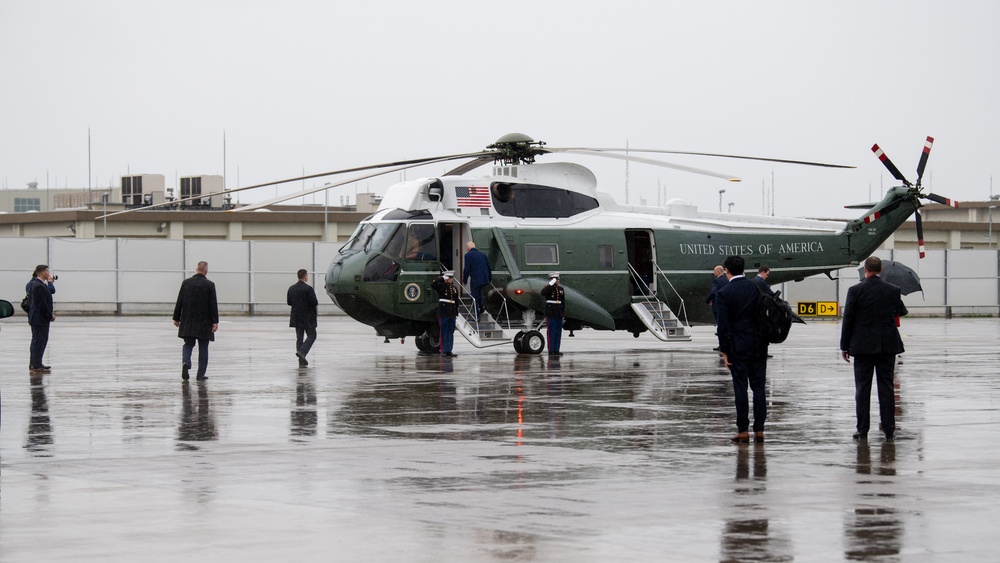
x,y
411,292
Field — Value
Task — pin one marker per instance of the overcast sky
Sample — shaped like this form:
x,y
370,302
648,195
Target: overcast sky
x,y
315,86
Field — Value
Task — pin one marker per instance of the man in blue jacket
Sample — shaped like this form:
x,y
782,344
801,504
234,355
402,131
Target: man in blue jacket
x,y
477,268
40,316
869,334
743,351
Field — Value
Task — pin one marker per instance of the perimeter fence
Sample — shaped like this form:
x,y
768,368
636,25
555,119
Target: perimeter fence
x,y
140,276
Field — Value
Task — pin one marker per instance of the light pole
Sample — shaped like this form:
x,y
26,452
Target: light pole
x,y
722,191
992,207
731,204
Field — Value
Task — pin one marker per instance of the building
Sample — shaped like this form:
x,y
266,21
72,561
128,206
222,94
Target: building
x,y
315,223
968,227
33,198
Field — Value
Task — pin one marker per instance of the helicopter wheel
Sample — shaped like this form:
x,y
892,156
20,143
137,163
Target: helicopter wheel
x,y
518,347
427,343
533,342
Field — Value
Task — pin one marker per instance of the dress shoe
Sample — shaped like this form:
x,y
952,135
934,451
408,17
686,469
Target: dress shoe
x,y
716,349
890,437
37,371
46,367
450,355
741,438
201,377
858,436
185,372
758,437
302,362
556,353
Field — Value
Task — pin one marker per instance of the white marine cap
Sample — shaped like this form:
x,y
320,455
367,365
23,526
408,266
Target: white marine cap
x,y
554,275
448,273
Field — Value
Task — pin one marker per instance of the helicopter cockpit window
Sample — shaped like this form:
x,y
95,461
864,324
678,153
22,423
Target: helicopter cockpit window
x,y
376,240
394,247
381,268
421,244
529,200
359,238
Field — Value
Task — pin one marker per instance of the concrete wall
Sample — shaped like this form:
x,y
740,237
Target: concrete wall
x,y
137,276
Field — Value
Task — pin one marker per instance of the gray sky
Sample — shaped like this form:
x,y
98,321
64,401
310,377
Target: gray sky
x,y
316,86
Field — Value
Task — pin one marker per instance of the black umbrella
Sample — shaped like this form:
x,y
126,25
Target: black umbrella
x,y
6,309
898,275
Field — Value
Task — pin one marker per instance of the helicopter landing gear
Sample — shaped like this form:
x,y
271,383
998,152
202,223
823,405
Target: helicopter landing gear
x,y
530,342
427,343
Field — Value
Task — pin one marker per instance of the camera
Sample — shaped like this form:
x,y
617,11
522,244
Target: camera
x,y
54,277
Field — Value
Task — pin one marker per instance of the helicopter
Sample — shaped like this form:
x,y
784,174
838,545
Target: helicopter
x,y
623,267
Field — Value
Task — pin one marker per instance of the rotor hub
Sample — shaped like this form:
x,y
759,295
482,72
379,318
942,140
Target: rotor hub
x,y
516,148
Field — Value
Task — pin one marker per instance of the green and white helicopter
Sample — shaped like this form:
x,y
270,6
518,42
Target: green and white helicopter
x,y
624,267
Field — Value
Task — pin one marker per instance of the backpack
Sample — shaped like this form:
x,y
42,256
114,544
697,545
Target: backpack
x,y
26,303
774,317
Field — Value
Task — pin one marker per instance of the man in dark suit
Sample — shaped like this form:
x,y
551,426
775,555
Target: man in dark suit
x,y
743,351
40,316
869,334
761,280
196,315
719,281
477,268
302,299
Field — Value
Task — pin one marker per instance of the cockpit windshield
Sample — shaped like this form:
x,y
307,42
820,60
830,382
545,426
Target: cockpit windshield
x,y
357,240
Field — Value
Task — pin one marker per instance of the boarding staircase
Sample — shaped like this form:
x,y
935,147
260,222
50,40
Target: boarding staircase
x,y
484,331
661,321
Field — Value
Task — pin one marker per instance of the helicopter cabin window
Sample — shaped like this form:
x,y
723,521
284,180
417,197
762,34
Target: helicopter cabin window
x,y
605,256
530,200
421,244
541,254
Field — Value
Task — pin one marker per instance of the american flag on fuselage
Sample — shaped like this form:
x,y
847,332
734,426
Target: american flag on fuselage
x,y
472,196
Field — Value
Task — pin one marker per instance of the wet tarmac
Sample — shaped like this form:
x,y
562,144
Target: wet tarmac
x,y
618,451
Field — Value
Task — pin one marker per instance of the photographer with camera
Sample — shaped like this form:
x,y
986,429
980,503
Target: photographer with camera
x,y
40,314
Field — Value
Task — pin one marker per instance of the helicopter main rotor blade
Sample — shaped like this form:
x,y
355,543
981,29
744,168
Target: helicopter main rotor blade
x,y
650,161
923,158
409,163
302,193
715,155
920,236
889,165
942,200
471,165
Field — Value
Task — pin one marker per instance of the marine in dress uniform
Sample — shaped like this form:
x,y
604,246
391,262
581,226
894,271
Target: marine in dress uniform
x,y
447,310
555,312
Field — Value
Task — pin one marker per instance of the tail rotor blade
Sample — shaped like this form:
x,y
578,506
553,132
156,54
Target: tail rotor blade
x,y
889,165
920,236
923,158
942,200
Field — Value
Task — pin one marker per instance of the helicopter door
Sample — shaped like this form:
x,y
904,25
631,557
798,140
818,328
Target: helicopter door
x,y
452,237
641,250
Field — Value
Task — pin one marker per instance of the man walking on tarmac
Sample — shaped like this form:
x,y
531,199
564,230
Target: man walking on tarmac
x,y
196,316
743,350
869,334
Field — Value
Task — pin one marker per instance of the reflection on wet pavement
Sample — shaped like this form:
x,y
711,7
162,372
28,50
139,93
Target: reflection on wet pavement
x,y
618,450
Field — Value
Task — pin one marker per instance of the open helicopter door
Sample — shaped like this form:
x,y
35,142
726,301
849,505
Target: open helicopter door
x,y
641,250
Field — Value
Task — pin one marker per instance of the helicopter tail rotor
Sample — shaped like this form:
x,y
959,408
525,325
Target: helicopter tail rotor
x,y
914,189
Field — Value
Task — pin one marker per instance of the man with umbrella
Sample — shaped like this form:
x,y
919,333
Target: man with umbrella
x,y
869,334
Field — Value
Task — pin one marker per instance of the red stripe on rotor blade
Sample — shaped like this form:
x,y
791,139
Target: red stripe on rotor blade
x,y
928,144
878,152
